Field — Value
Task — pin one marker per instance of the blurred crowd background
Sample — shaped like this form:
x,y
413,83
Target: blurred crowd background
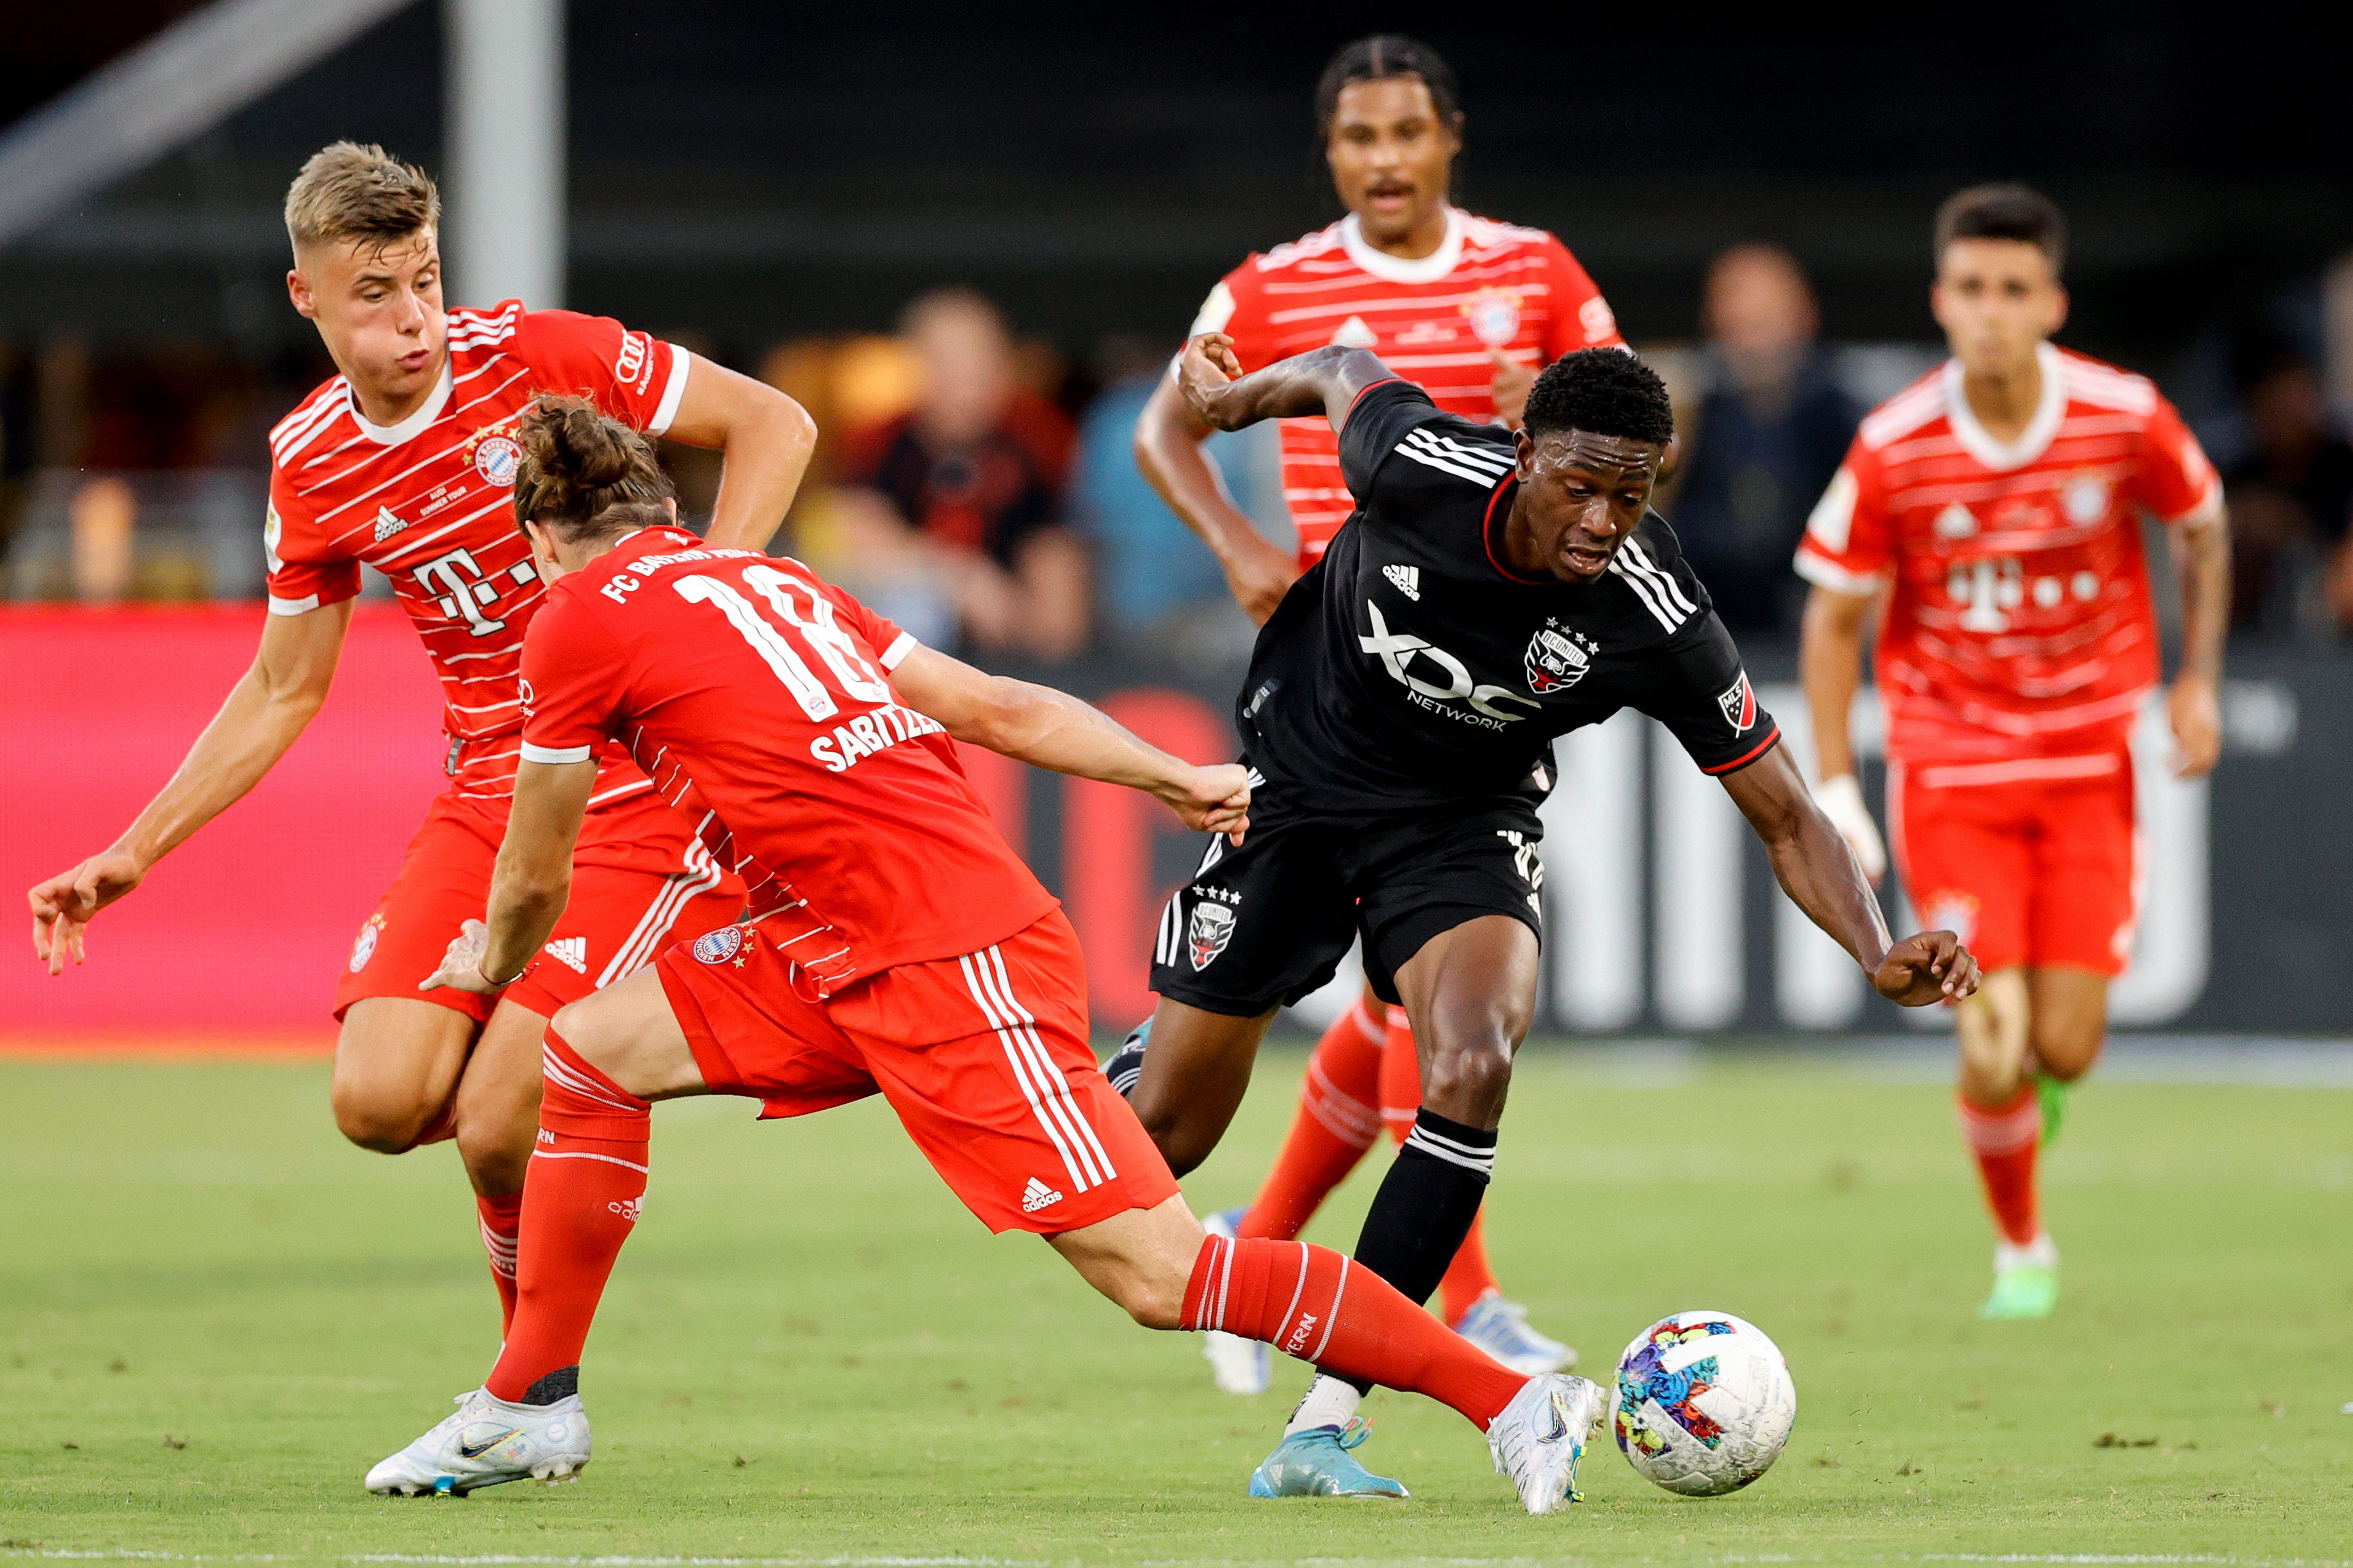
x,y
971,246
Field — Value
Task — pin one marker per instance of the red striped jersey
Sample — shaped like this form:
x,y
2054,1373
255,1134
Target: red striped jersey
x,y
426,503
2018,622
1488,285
758,697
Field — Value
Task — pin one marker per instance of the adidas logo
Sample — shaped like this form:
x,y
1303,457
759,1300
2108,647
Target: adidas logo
x,y
572,952
1038,1195
1353,334
1407,580
386,525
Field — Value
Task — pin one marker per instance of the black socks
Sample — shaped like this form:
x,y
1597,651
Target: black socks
x,y
1426,1204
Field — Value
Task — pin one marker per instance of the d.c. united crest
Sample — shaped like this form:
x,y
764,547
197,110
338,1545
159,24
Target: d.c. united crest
x,y
1558,660
1211,927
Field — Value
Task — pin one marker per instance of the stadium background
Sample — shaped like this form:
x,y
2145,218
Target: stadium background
x,y
774,189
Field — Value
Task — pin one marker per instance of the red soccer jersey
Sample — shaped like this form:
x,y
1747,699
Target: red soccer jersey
x,y
757,696
2017,622
1488,285
427,503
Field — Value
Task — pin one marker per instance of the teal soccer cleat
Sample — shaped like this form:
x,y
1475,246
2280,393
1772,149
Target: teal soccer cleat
x,y
1319,1462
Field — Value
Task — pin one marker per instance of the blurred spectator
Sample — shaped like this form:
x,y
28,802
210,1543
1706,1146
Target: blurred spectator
x,y
1768,434
1156,584
2291,502
965,488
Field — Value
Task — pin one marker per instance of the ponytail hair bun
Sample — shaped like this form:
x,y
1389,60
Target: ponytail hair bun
x,y
582,472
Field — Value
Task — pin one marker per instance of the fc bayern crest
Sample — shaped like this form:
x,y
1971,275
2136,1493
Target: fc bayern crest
x,y
1205,936
719,946
1739,705
1495,317
363,945
497,460
1558,660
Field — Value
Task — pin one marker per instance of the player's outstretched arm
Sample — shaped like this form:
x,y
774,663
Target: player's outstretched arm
x,y
764,439
1818,872
1829,663
1322,381
1168,437
532,884
266,711
1051,729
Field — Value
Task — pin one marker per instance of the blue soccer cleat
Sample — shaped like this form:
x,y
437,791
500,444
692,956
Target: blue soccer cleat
x,y
1319,1462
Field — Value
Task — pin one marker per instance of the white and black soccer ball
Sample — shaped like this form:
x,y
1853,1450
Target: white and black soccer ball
x,y
1703,1403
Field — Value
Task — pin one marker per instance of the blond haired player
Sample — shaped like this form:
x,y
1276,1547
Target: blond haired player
x,y
1468,310
1990,515
406,461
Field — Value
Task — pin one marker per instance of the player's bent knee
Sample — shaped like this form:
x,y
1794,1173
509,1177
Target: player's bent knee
x,y
380,1122
1468,1082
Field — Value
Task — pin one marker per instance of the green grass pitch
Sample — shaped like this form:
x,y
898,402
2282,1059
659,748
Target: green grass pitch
x,y
214,1315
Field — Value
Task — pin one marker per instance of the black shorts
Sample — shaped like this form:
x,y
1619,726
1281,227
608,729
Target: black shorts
x,y
1268,923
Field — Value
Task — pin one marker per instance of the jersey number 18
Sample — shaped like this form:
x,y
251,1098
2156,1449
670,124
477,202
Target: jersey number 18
x,y
853,676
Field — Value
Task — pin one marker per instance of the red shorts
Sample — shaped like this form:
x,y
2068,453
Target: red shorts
x,y
638,879
2032,862
984,1057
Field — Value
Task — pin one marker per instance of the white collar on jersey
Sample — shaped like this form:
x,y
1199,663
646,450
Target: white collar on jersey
x,y
1397,268
426,413
2034,439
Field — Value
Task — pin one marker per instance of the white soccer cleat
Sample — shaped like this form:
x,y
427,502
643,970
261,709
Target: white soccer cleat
x,y
1238,1366
1500,1327
1541,1435
490,1441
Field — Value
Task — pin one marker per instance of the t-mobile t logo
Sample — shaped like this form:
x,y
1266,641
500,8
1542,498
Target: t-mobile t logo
x,y
460,591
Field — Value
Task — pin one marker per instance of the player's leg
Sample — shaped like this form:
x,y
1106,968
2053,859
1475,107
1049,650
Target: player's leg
x,y
630,898
1167,1272
1335,1123
1194,1078
2080,925
1966,855
396,1073
605,1060
1468,1296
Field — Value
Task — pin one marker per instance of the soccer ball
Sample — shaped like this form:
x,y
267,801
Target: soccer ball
x,y
1703,1403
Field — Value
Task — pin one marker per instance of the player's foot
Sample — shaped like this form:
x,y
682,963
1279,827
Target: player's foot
x,y
2025,1280
1541,1435
1239,1365
490,1441
1126,1064
1321,1462
2051,1093
1500,1327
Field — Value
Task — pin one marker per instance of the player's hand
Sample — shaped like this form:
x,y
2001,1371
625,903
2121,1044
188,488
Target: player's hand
x,y
1203,373
461,965
1930,967
1841,801
2197,726
63,905
1212,800
1509,388
1260,575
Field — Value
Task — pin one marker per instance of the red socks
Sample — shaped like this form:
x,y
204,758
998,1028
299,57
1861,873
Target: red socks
x,y
1313,1303
2005,1140
1335,1124
1468,1278
500,1220
580,1202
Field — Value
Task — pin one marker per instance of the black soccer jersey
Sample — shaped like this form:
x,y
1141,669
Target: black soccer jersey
x,y
1412,664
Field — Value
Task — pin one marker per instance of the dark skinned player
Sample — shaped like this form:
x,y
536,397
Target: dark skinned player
x,y
1493,590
